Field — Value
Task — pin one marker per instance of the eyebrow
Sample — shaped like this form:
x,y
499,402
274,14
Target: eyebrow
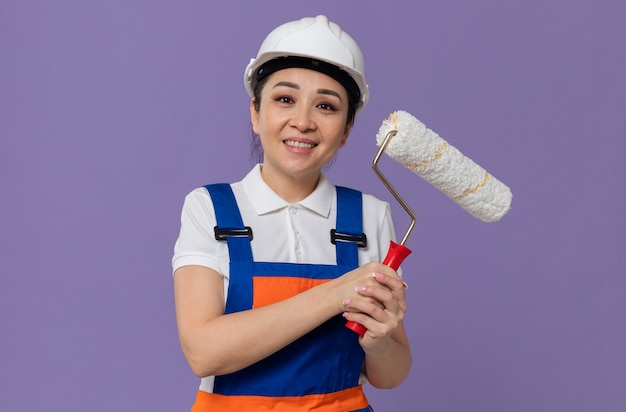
x,y
297,87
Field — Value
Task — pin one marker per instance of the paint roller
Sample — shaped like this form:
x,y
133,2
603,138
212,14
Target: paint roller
x,y
419,149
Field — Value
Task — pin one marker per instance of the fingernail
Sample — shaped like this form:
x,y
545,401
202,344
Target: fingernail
x,y
405,285
346,302
378,275
360,288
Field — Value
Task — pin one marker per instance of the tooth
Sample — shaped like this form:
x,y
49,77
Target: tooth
x,y
299,145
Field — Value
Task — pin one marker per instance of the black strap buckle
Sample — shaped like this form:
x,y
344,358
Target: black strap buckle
x,y
223,234
360,240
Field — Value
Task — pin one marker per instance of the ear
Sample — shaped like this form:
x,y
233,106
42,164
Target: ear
x,y
346,133
254,117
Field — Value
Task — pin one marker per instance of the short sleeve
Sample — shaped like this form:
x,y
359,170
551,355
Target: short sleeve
x,y
196,244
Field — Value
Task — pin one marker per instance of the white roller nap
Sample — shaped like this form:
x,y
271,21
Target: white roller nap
x,y
439,163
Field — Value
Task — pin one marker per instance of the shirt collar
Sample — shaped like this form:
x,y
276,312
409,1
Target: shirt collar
x,y
266,200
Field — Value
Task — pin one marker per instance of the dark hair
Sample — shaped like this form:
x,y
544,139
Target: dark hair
x,y
256,150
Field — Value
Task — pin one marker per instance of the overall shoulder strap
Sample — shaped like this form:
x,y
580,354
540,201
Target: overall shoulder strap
x,y
348,234
230,227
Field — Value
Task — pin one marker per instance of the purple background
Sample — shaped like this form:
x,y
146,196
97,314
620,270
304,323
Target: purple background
x,y
111,111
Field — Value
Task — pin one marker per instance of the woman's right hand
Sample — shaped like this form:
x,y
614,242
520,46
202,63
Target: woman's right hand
x,y
375,297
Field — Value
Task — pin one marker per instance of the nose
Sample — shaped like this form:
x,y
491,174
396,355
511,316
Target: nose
x,y
302,118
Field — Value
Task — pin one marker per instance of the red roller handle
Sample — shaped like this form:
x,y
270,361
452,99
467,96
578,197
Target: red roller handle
x,y
395,256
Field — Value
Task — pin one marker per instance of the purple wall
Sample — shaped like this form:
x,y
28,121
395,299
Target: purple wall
x,y
110,112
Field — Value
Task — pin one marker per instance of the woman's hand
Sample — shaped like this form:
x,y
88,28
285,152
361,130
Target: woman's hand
x,y
379,305
375,296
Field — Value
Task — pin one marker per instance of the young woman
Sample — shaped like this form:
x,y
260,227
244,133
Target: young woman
x,y
268,270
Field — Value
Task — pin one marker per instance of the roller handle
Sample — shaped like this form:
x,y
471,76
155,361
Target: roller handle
x,y
395,256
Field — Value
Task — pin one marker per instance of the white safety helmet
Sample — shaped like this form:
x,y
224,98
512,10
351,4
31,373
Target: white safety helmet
x,y
306,43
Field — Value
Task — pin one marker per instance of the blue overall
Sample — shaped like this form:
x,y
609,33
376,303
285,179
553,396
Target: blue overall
x,y
327,360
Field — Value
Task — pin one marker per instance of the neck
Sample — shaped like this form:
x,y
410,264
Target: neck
x,y
291,188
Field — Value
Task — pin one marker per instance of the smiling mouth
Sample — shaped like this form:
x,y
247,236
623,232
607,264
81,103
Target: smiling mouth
x,y
299,145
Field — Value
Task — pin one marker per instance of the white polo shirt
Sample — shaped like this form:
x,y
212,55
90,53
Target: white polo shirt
x,y
283,232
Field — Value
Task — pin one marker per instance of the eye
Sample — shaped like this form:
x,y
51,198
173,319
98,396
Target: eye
x,y
284,99
326,106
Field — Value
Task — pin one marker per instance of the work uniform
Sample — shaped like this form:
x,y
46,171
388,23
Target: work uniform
x,y
321,369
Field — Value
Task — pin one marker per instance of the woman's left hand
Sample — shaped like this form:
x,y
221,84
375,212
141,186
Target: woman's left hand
x,y
381,317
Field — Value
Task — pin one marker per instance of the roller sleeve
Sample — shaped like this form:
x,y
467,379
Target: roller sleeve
x,y
422,151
